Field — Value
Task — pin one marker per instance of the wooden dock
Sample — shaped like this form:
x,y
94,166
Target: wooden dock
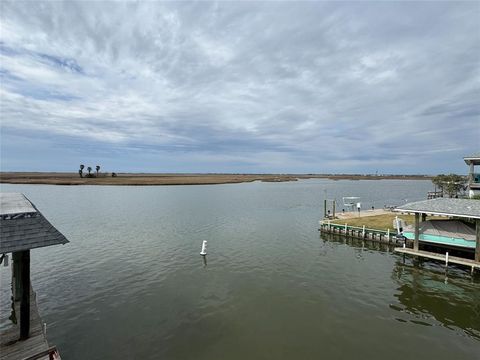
x,y
23,228
376,235
36,347
389,238
440,257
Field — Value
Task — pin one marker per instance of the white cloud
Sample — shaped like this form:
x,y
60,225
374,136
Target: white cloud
x,y
293,82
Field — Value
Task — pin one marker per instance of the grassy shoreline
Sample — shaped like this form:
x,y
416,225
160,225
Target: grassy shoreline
x,y
378,222
141,179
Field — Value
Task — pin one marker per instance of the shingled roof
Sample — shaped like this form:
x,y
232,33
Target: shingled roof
x,y
465,208
23,227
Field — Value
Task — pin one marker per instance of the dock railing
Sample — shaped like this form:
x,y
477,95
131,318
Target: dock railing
x,y
385,236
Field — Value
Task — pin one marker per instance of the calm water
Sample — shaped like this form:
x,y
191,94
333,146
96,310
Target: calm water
x,y
131,283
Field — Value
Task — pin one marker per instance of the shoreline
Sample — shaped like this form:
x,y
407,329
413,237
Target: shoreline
x,y
145,179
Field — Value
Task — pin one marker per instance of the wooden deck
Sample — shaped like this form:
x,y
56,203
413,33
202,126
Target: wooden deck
x,y
11,348
440,257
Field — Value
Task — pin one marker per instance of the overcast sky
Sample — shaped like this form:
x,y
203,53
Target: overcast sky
x,y
240,86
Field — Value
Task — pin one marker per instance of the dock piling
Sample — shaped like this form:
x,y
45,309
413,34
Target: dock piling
x,y
25,299
417,231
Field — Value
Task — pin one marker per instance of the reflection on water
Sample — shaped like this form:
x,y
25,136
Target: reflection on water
x,y
428,290
130,283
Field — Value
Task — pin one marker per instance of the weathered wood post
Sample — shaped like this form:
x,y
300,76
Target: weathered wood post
x,y
324,208
25,297
16,274
363,232
477,246
333,203
417,231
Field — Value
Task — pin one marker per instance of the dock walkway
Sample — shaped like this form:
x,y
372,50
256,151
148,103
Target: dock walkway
x,y
35,347
435,256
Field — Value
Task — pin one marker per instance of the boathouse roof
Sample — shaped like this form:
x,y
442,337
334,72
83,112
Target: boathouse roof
x,y
465,208
23,227
474,158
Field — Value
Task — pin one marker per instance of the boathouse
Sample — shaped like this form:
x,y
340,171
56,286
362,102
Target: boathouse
x,y
22,228
473,177
466,209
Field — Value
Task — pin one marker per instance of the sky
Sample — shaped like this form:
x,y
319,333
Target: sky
x,y
242,87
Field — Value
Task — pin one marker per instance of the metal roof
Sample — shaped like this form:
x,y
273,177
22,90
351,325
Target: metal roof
x,y
474,158
465,208
23,227
15,203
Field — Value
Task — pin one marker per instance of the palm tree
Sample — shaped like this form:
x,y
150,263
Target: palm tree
x,y
80,172
97,168
89,169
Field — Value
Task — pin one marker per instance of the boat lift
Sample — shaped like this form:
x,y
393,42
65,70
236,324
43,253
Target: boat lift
x,y
350,202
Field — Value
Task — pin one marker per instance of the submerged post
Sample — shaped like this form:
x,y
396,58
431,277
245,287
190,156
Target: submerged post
x,y
25,297
417,231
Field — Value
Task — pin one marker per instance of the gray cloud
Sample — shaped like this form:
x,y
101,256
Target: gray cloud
x,y
242,86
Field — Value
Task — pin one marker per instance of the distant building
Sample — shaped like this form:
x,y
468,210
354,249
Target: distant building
x,y
473,177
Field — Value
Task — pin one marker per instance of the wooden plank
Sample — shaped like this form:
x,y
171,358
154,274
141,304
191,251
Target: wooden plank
x,y
13,348
45,354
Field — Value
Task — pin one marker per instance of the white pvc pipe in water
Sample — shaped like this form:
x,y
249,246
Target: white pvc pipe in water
x,y
204,248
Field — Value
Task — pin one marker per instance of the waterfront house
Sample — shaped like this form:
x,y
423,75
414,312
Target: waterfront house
x,y
473,177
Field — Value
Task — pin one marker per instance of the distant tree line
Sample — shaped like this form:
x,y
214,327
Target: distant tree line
x,y
89,169
450,185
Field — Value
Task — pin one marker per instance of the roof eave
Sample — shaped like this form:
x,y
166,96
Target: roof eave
x,y
467,216
470,159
